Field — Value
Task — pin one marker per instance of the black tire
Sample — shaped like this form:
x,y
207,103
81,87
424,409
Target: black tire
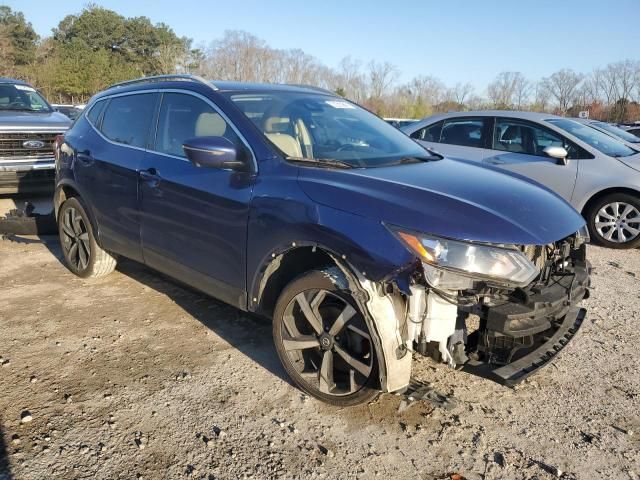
x,y
82,254
337,366
604,220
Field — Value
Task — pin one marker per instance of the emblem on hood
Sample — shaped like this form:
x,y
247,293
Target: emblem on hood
x,y
33,144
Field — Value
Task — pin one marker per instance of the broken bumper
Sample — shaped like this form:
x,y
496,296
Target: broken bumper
x,y
532,332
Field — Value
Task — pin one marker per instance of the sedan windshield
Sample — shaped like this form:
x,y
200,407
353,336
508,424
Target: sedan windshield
x,y
22,98
598,140
328,131
618,132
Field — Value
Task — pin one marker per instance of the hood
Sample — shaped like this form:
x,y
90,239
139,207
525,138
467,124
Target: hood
x,y
632,161
450,198
17,120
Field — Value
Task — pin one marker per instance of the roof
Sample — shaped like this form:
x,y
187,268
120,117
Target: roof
x,y
498,113
270,87
13,80
217,85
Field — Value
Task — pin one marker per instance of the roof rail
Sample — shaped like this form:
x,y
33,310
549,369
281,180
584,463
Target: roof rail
x,y
165,78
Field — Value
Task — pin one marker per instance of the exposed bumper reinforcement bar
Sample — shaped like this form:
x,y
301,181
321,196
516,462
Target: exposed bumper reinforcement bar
x,y
521,368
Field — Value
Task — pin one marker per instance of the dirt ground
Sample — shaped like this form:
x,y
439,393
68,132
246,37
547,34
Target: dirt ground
x,y
133,376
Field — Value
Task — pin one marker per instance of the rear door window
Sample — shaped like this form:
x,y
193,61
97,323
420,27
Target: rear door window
x,y
466,132
128,119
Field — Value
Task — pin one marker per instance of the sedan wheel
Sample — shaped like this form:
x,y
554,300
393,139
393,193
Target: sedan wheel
x,y
618,222
614,221
323,341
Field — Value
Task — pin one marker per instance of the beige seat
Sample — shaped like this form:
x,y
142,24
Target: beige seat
x,y
274,128
210,124
286,143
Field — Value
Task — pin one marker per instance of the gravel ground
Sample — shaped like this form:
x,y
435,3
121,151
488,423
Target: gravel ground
x,y
133,376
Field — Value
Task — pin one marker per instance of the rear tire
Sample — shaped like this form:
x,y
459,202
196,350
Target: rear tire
x,y
324,343
614,221
82,254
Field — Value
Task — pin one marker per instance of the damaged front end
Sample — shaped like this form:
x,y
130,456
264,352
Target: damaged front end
x,y
497,311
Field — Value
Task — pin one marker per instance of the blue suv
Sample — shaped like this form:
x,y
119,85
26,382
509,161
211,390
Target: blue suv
x,y
361,245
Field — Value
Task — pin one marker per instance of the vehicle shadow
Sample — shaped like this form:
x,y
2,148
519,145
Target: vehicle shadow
x,y
248,333
5,468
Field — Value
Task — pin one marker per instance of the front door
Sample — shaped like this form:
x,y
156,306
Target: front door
x,y
518,147
194,219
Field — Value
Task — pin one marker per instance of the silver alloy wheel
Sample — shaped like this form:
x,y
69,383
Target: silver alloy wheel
x,y
75,239
327,342
618,222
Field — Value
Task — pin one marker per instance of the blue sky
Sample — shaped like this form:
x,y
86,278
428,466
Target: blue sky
x,y
454,40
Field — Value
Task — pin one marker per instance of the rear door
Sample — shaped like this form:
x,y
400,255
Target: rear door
x,y
194,219
518,147
107,167
462,137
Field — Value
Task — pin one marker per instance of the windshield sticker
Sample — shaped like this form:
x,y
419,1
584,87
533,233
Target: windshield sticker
x,y
339,104
25,88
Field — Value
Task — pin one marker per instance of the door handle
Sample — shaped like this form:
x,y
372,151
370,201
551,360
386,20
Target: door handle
x,y
150,176
84,157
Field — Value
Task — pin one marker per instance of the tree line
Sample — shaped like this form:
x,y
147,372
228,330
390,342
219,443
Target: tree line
x,y
92,49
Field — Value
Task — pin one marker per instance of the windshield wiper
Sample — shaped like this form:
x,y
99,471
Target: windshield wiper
x,y
21,109
417,159
326,162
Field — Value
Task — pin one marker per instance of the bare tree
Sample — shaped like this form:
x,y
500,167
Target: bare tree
x,y
381,77
238,56
508,90
460,92
562,86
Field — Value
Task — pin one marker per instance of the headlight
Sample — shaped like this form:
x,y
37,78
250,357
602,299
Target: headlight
x,y
455,264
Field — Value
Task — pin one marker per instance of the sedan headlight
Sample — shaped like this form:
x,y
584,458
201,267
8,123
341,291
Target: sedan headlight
x,y
456,264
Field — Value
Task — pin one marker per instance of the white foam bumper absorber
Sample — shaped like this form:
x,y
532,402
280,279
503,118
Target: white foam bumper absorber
x,y
440,324
416,313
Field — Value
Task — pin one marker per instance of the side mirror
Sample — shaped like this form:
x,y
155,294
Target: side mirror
x,y
559,153
212,152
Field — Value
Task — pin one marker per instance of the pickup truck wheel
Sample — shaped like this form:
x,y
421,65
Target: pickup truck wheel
x,y
323,341
614,221
82,255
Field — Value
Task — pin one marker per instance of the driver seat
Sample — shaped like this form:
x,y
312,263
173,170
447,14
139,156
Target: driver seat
x,y
273,127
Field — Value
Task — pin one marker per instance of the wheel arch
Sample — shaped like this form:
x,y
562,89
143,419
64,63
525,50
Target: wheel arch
x,y
66,190
602,193
381,310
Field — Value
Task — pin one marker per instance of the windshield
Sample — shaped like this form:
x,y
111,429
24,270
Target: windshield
x,y
618,132
22,97
598,140
327,129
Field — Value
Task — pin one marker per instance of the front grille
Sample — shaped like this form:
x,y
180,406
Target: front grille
x,y
11,145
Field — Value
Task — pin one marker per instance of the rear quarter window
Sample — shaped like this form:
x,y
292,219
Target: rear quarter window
x,y
430,133
93,115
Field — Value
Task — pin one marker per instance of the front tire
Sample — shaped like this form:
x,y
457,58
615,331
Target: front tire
x,y
614,221
82,254
323,341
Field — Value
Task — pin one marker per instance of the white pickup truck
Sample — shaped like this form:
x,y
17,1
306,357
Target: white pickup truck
x,y
28,129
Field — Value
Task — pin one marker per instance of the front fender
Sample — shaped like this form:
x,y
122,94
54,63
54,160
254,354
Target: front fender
x,y
363,249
